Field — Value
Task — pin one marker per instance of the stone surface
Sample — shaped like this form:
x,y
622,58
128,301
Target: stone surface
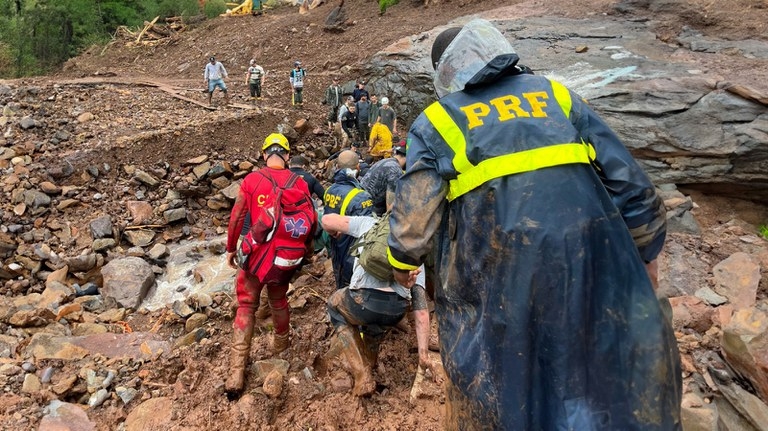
x,y
141,212
139,237
135,345
652,100
61,416
155,413
737,278
745,346
273,383
127,280
101,227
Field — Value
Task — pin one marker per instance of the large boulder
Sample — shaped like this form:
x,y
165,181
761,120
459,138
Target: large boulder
x,y
684,125
127,280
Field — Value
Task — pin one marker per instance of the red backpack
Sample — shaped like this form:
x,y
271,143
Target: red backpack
x,y
281,233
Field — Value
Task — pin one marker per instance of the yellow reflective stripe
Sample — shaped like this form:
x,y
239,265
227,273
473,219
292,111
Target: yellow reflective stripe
x,y
347,199
563,97
397,264
451,133
515,163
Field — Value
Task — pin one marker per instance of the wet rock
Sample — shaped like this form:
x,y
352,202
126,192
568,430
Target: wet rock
x,y
127,280
175,215
67,203
112,315
220,170
98,398
158,251
10,370
220,183
231,191
197,160
195,321
201,170
181,308
216,203
31,318
61,135
273,384
50,188
744,345
190,338
85,117
710,296
55,295
36,199
61,416
737,278
126,394
31,384
88,328
8,346
102,244
139,237
101,227
146,178
47,375
141,212
83,262
155,413
135,345
27,123
261,369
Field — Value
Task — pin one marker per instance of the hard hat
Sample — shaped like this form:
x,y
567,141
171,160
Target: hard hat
x,y
276,139
385,101
253,61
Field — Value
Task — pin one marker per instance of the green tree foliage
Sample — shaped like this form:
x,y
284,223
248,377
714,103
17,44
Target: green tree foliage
x,y
178,8
214,8
37,36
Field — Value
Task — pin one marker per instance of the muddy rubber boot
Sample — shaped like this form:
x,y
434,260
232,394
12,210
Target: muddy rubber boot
x,y
353,350
263,312
241,348
281,342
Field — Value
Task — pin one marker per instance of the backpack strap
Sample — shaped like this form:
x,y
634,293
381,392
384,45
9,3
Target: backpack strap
x,y
347,199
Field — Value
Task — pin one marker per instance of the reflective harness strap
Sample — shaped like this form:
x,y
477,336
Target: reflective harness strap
x,y
471,176
347,199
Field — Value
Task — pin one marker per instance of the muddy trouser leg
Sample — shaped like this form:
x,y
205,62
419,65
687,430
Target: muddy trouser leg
x,y
248,290
278,304
252,88
258,88
299,98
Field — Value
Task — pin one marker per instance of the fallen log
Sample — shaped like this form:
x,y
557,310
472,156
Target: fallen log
x,y
147,26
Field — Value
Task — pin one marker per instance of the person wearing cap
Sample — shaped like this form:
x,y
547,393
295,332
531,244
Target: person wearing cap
x,y
349,126
297,77
546,233
359,91
382,174
255,78
345,197
255,190
387,116
334,96
214,75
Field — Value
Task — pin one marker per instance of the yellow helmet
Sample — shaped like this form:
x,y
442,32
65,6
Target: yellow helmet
x,y
276,139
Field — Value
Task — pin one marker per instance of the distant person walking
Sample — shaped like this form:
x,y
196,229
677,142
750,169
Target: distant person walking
x,y
255,77
297,83
214,75
334,96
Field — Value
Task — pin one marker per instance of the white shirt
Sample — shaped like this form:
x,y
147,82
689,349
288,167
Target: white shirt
x,y
214,71
358,226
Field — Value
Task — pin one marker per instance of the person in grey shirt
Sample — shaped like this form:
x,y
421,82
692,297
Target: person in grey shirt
x,y
387,116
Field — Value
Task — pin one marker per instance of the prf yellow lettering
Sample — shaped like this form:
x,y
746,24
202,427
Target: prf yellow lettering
x,y
332,200
508,107
506,104
261,199
536,104
474,112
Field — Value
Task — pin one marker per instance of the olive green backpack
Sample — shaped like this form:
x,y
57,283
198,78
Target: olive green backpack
x,y
371,250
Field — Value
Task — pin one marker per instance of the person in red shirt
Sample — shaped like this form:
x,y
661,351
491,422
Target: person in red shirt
x,y
250,203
